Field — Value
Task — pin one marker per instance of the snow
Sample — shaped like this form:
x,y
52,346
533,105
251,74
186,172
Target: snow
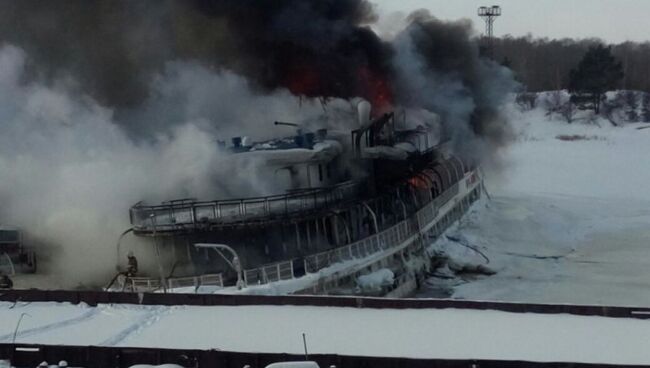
x,y
375,280
568,220
414,333
293,365
4,363
609,165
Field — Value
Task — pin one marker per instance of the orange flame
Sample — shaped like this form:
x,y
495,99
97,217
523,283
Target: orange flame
x,y
377,90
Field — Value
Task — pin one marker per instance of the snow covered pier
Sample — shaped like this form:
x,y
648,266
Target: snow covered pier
x,y
424,330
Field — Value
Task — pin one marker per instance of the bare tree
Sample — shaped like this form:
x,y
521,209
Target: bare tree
x,y
610,107
630,102
568,111
543,64
645,107
554,103
526,100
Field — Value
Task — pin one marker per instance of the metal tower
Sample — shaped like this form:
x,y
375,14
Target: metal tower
x,y
489,15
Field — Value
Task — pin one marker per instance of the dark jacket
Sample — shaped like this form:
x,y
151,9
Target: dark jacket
x,y
132,267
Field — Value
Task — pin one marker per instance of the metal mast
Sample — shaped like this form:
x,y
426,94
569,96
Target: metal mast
x,y
489,15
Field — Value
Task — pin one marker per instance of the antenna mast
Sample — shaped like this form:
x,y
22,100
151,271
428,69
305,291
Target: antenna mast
x,y
489,15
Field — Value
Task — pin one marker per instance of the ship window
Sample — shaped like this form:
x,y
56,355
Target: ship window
x,y
328,171
320,172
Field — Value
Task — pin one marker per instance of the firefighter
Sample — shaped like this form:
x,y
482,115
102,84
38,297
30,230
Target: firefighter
x,y
132,265
5,282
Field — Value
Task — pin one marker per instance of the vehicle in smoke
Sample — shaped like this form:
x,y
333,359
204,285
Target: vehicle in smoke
x,y
14,256
348,203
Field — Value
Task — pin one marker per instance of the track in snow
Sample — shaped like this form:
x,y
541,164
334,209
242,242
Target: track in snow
x,y
148,319
91,313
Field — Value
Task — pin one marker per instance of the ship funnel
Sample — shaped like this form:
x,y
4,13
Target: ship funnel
x,y
363,111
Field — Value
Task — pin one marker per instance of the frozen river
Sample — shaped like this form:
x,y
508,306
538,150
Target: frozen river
x,y
414,333
568,221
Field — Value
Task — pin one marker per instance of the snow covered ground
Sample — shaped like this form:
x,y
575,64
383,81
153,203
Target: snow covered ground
x,y
568,221
414,333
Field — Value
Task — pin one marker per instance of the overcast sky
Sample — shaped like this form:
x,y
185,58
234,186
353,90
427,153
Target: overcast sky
x,y
610,20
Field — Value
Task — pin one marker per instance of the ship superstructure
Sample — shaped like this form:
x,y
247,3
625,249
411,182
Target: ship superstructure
x,y
353,214
15,257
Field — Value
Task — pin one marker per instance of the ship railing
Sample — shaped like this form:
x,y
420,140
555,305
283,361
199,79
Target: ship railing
x,y
365,247
270,273
284,270
143,284
447,195
388,238
182,282
149,284
192,213
362,248
427,214
196,282
211,280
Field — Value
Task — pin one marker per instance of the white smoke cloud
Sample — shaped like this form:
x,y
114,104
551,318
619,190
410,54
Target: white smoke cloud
x,y
70,169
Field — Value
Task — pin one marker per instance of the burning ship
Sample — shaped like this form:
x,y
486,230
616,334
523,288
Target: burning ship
x,y
348,211
354,213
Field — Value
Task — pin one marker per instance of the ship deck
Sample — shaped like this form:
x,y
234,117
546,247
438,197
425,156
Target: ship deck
x,y
188,215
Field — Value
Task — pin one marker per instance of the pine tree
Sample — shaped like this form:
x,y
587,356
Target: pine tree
x,y
597,73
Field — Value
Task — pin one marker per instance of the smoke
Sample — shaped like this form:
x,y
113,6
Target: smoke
x,y
225,105
70,171
439,69
114,49
104,104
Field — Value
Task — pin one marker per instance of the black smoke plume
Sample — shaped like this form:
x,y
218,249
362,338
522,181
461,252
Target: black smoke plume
x,y
325,48
440,69
113,48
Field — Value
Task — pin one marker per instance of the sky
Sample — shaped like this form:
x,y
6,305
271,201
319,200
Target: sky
x,y
611,20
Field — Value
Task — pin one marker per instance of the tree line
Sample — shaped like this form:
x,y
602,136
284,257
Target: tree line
x,y
543,64
612,81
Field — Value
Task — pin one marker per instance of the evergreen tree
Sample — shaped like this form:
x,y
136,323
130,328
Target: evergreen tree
x,y
597,73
